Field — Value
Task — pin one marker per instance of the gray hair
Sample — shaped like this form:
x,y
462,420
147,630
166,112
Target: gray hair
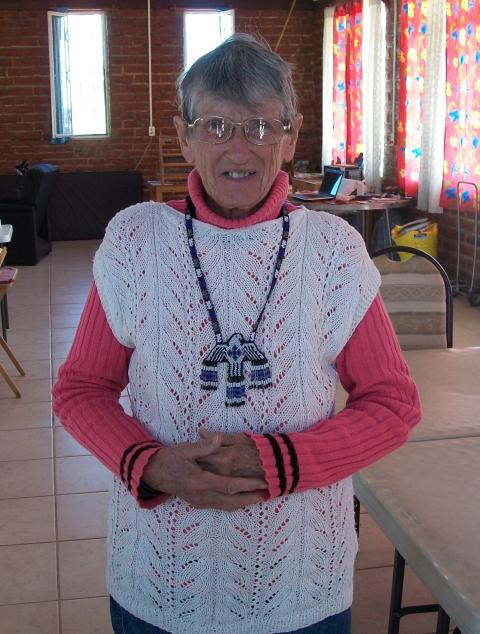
x,y
243,71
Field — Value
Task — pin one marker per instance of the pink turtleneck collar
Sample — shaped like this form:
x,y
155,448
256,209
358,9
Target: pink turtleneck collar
x,y
268,211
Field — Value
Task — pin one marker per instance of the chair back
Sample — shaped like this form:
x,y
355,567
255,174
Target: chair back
x,y
173,169
37,185
3,253
418,296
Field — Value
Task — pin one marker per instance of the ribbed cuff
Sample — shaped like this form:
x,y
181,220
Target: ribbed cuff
x,y
279,461
134,460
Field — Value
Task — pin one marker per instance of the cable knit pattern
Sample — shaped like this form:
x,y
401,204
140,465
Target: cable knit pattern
x,y
287,562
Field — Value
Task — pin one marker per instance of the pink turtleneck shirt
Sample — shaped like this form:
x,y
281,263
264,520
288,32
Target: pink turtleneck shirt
x,y
382,406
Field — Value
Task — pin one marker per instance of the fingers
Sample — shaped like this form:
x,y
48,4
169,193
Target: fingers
x,y
180,471
231,485
200,449
207,490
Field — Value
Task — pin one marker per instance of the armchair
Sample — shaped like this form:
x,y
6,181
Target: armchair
x,y
28,215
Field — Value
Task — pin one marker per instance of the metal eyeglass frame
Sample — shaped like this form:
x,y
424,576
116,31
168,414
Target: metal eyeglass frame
x,y
243,124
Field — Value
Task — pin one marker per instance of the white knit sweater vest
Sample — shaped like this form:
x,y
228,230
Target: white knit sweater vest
x,y
275,566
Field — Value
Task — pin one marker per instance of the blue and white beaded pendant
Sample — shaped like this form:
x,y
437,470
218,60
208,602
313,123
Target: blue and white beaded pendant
x,y
236,351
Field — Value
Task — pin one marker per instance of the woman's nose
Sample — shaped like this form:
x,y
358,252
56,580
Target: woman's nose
x,y
237,143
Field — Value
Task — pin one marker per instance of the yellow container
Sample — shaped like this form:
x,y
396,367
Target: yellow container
x,y
424,239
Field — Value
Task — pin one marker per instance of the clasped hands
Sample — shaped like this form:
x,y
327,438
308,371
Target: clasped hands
x,y
220,471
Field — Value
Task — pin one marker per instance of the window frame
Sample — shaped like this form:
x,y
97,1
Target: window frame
x,y
200,11
106,83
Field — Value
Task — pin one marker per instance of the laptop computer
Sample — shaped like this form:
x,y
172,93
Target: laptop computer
x,y
332,177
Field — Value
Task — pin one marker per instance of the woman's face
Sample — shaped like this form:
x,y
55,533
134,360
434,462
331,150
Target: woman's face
x,y
237,175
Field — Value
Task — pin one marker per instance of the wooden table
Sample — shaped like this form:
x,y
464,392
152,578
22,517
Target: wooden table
x,y
158,190
365,208
309,182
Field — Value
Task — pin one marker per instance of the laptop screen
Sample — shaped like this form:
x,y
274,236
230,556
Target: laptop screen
x,y
332,177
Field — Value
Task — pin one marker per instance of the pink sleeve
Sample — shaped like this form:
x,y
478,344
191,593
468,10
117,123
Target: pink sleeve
x,y
86,400
383,405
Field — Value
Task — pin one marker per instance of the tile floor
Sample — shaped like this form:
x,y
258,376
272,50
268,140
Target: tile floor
x,y
53,495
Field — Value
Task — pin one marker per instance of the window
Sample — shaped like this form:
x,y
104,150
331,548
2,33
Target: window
x,y
78,73
203,31
354,56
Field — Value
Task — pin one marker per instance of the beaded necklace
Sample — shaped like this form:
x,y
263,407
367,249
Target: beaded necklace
x,y
236,350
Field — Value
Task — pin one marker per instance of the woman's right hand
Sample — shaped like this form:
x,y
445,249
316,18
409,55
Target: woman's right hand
x,y
175,470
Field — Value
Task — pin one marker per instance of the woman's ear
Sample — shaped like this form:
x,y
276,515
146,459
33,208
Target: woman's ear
x,y
185,145
291,139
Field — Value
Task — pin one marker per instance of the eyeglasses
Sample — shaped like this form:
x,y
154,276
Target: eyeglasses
x,y
259,131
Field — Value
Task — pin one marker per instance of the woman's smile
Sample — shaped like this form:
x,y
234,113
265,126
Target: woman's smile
x,y
238,175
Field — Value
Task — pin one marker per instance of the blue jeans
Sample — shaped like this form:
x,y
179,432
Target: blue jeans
x,y
125,623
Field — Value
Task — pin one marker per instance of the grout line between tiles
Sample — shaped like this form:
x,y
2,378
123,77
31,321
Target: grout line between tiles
x,y
82,493
96,596
55,513
4,605
54,462
51,541
27,497
374,567
28,460
81,539
24,428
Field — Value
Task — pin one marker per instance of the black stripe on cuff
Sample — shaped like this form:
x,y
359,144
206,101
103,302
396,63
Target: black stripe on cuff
x,y
124,457
146,492
277,452
133,459
293,460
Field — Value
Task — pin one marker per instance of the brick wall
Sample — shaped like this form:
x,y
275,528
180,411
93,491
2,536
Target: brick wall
x,y
447,244
25,114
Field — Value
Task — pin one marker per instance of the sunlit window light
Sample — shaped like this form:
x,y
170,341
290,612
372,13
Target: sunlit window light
x,y
78,74
204,31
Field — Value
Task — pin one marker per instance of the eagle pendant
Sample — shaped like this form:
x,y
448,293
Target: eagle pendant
x,y
235,352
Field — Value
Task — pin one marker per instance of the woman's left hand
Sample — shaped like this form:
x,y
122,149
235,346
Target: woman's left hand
x,y
237,456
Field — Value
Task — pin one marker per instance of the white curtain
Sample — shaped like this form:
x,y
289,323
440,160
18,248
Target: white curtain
x,y
373,66
433,125
373,80
327,87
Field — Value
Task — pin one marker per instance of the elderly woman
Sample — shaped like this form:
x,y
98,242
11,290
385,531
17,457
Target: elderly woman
x,y
231,316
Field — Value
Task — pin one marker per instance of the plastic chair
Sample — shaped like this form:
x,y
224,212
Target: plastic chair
x,y
28,214
418,296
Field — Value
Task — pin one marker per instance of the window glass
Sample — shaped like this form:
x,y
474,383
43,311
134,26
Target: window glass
x,y
78,72
203,31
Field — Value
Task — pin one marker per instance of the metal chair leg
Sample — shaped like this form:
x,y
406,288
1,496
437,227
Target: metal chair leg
x,y
5,304
4,316
443,622
356,512
397,592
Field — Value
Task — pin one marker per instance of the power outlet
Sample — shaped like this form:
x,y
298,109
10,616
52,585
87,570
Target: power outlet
x,y
151,130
